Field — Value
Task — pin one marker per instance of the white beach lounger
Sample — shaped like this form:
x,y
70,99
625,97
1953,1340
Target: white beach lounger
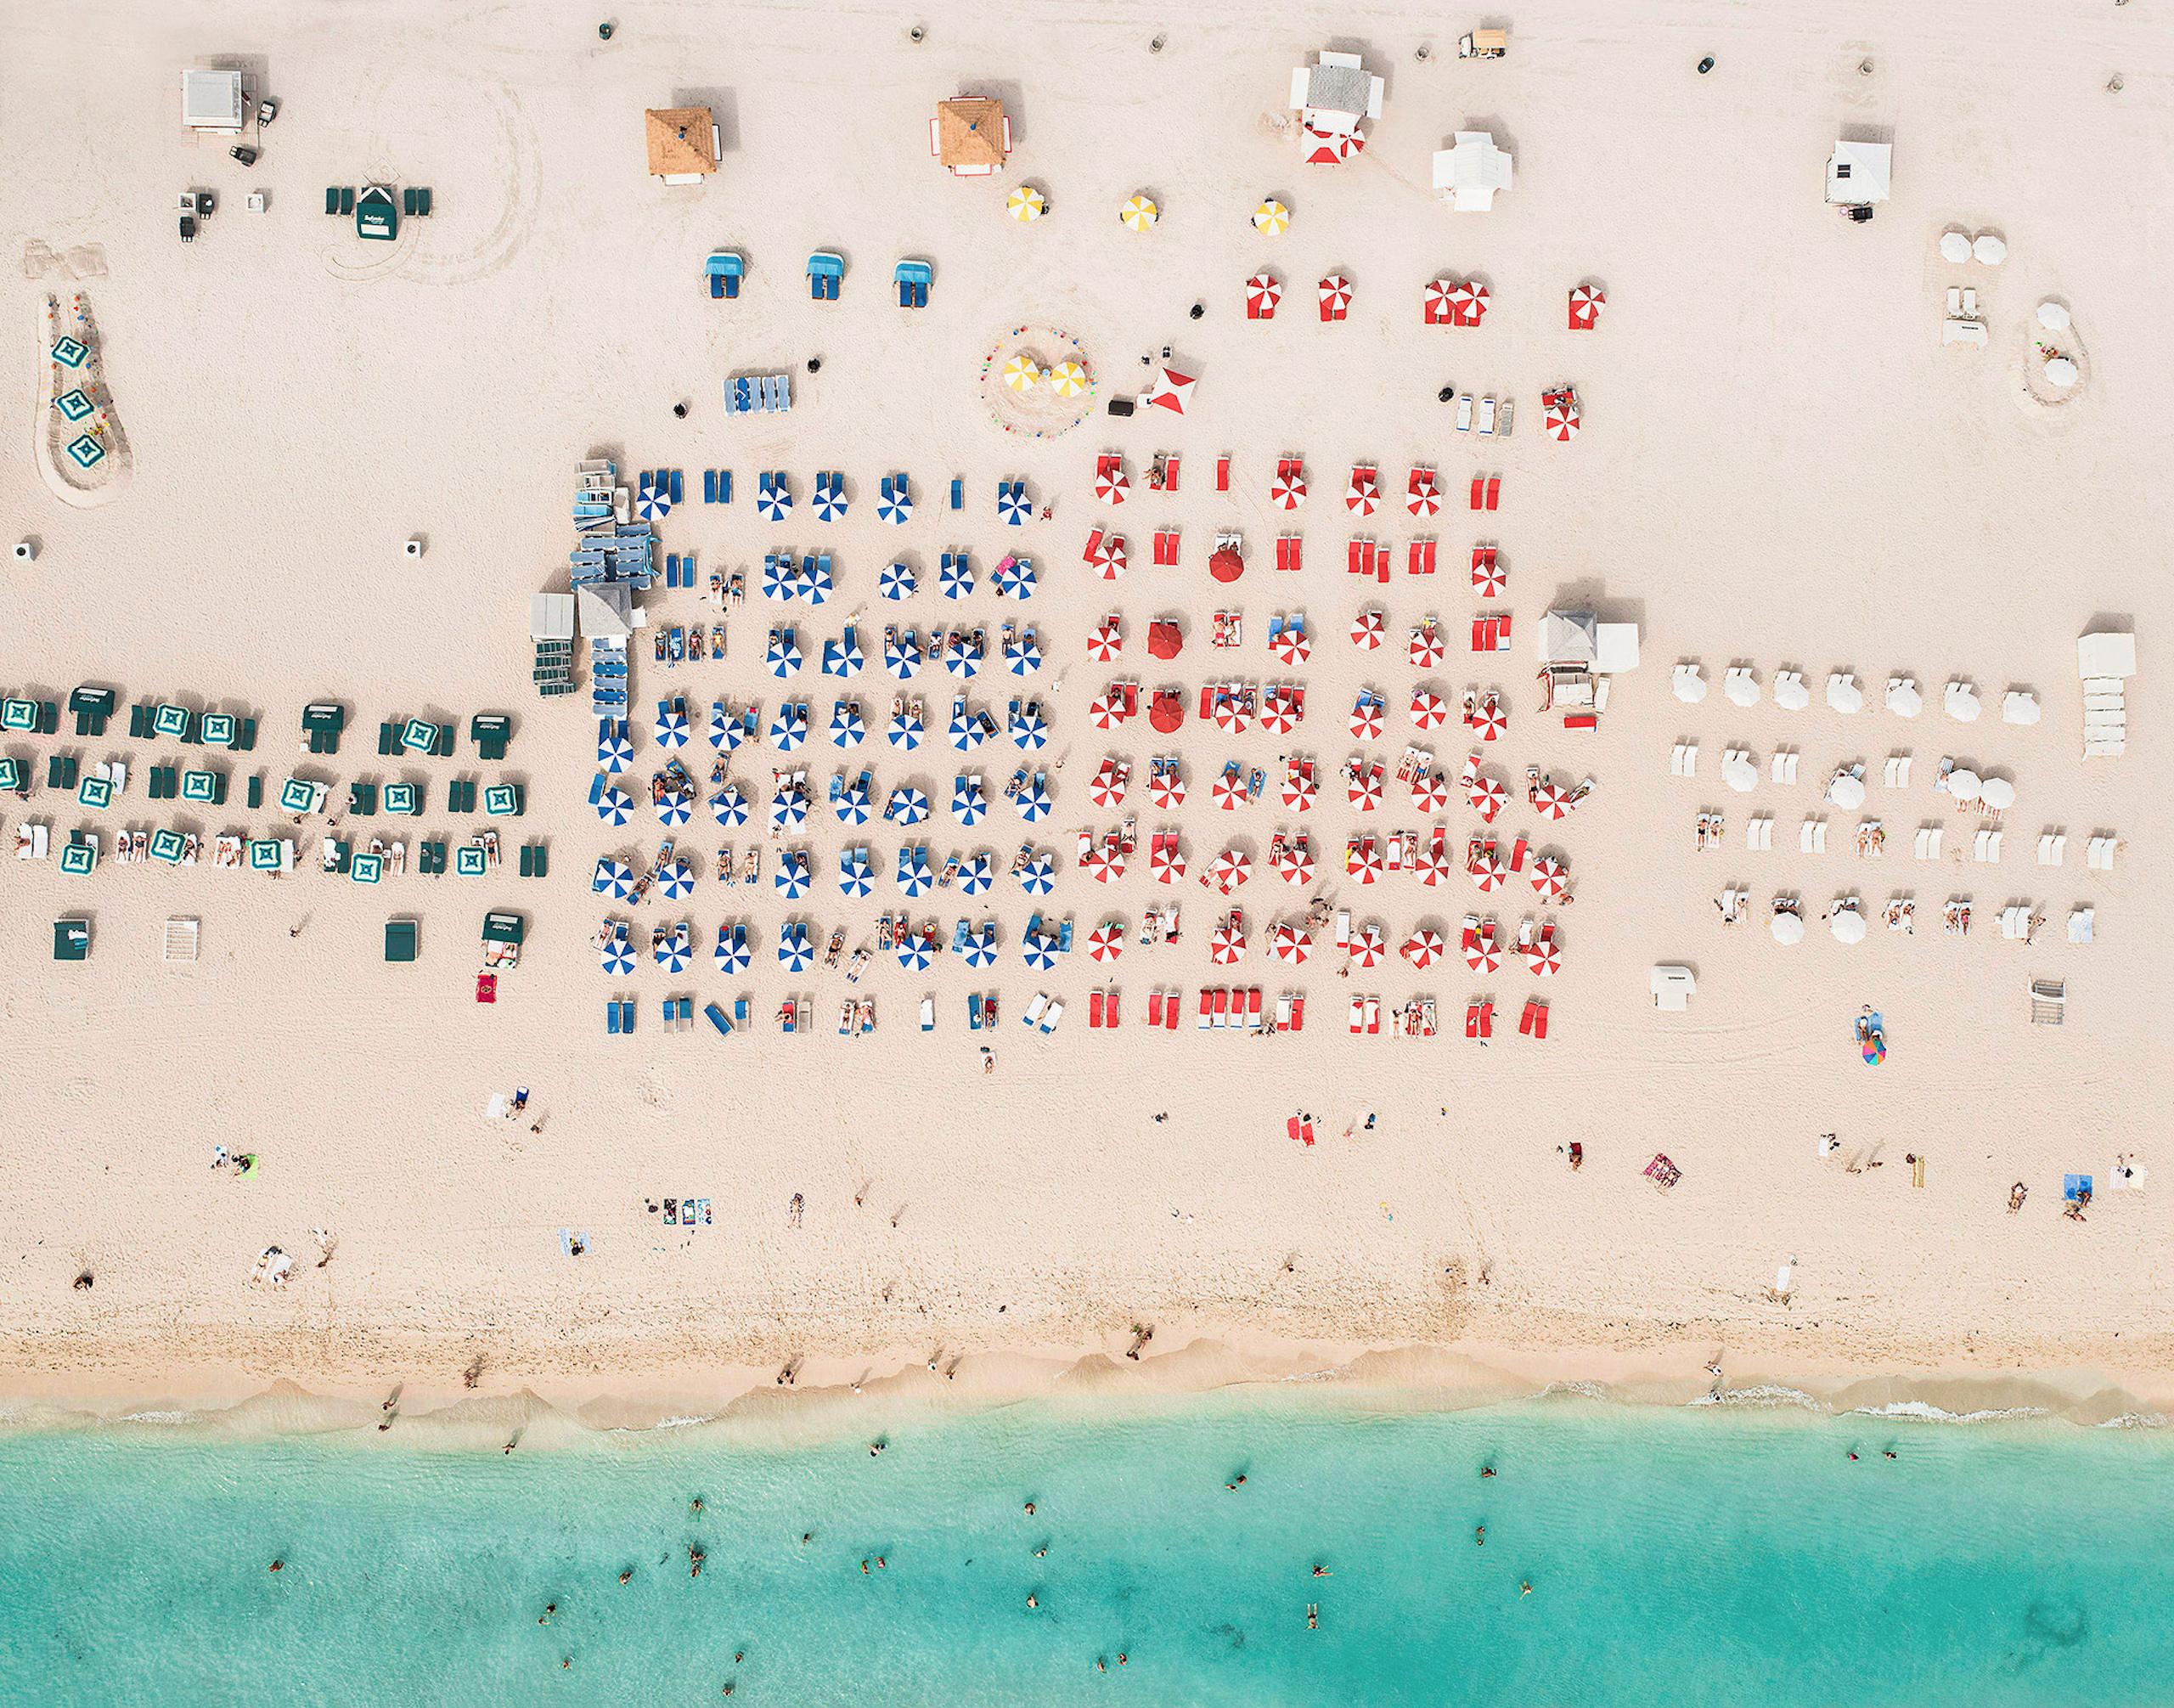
x,y
1758,835
1487,415
2015,922
1054,1013
2098,854
2053,849
1464,412
178,939
1954,301
1969,302
1811,836
31,842
1897,773
1785,766
1741,685
1969,332
1929,837
1684,761
1985,849
1789,692
1035,1009
2080,925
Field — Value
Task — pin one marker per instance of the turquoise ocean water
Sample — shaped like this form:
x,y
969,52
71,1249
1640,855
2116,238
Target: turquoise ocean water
x,y
1703,1555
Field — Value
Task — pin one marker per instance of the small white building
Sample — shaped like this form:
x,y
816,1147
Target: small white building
x,y
211,102
1859,174
1334,95
1468,173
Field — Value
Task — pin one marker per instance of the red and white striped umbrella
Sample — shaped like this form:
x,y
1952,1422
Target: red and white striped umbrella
x,y
1167,789
1561,421
1363,495
1331,148
1482,953
1362,859
1299,790
1545,960
1228,791
1107,641
1488,797
1110,484
1433,864
1291,944
1367,718
1367,948
1232,868
1437,305
1426,649
1166,861
1106,942
1487,872
1367,630
1587,301
1231,715
1288,492
1430,791
1226,946
1295,863
1423,947
1429,710
1551,878
1293,646
1279,714
1336,296
1263,292
1552,800
1111,782
1105,710
1488,720
1487,574
1469,299
1422,497
1364,790
1105,864
1108,558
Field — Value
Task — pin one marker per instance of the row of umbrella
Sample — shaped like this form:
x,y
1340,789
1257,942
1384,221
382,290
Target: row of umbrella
x,y
1066,379
786,577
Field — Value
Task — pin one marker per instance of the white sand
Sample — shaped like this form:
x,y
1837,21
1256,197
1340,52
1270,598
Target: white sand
x,y
1780,465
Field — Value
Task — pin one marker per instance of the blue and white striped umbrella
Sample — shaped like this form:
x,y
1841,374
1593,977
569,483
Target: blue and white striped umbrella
x,y
675,809
908,805
615,749
854,877
1040,951
614,878
830,501
905,730
1038,876
895,581
796,953
677,880
1024,655
1011,502
1030,729
728,806
789,729
846,730
977,876
902,657
788,808
815,583
968,802
915,877
1016,580
852,806
960,658
954,576
614,805
898,504
1034,800
783,656
980,947
675,951
966,731
671,724
731,955
780,580
652,505
773,497
792,874
913,953
842,655
726,732
616,957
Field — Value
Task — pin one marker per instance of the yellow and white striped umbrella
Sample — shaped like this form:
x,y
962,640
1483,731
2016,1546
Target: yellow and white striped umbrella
x,y
1021,374
1068,378
1140,212
1271,219
1026,205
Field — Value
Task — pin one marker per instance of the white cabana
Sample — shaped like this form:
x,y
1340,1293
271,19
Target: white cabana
x,y
606,613
1467,174
550,617
1859,174
1334,95
211,101
1673,987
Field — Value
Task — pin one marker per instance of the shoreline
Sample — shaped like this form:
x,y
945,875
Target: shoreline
x,y
546,1410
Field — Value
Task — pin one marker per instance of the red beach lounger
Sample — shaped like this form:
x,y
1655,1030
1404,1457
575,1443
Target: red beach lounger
x,y
1538,1018
1166,545
1207,1009
1252,1009
1222,474
1298,1013
1287,552
1494,491
1154,1008
1170,472
1095,1011
1419,560
1478,492
1296,1128
1170,1013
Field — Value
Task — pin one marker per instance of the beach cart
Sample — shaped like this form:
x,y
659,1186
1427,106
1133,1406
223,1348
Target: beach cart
x,y
71,939
1483,44
723,270
502,938
400,939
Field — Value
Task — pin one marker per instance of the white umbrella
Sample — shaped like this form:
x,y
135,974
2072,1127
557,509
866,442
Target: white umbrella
x,y
2060,372
1789,928
1689,685
1963,702
1843,693
1997,792
1955,246
1903,699
1847,924
1740,774
1963,785
1742,688
1790,694
1989,250
1845,791
2054,317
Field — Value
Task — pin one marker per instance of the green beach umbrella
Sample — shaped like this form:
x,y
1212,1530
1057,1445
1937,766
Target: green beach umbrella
x,y
296,796
469,861
265,855
95,792
367,868
79,859
166,845
402,797
198,786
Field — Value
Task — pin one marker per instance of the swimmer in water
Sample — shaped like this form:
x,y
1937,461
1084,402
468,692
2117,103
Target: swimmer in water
x,y
1480,1536
873,1448
695,1504
1313,1615
1853,1456
549,1607
1525,1588
626,1577
1030,1509
1031,1600
279,1565
1321,1571
1100,1665
1121,1657
863,1568
806,1537
695,1559
880,1562
1487,1470
1887,1453
1042,1551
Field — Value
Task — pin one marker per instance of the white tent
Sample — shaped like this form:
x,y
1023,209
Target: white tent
x,y
550,617
1468,175
2106,654
606,612
1673,988
211,101
1333,96
1569,637
1859,174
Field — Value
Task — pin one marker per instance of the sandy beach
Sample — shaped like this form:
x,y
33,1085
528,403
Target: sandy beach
x,y
1781,466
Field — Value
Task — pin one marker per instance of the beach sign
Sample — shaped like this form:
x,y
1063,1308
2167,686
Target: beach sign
x,y
79,859
70,353
166,845
170,721
296,796
265,855
469,861
418,735
220,729
199,785
502,800
367,868
86,452
74,405
401,798
96,793
19,715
